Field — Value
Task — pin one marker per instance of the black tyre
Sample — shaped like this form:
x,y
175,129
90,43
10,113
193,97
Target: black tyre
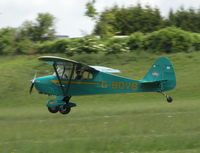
x,y
169,99
53,109
64,109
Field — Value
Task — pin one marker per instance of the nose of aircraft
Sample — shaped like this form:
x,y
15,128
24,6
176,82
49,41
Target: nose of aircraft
x,y
44,85
32,83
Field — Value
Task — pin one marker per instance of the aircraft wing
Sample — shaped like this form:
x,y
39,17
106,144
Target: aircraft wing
x,y
53,59
63,61
105,69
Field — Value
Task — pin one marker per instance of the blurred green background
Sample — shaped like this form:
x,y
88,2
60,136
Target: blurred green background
x,y
115,123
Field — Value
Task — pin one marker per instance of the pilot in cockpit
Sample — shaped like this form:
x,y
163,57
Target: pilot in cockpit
x,y
79,73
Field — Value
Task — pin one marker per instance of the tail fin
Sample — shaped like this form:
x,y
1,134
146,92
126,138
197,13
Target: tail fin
x,y
161,72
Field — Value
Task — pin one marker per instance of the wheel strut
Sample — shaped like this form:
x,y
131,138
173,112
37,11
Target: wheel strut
x,y
66,99
169,99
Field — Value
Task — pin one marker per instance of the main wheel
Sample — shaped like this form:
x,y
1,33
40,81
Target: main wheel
x,y
169,99
64,109
53,109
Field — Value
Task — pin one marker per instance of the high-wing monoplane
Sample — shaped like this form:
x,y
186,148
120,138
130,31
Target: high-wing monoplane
x,y
72,78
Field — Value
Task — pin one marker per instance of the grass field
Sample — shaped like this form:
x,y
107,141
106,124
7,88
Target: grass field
x,y
118,123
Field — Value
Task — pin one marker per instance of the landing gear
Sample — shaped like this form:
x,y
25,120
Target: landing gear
x,y
53,109
169,99
64,109
60,104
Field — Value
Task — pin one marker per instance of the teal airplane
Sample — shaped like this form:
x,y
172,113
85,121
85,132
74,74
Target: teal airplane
x,y
72,78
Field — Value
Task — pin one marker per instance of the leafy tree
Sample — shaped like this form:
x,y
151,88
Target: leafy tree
x,y
185,19
90,10
88,44
171,40
136,41
7,40
104,26
170,21
40,30
124,21
11,42
117,45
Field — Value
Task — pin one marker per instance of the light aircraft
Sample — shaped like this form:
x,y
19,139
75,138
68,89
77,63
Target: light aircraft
x,y
72,78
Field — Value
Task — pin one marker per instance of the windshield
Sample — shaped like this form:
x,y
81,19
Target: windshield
x,y
64,71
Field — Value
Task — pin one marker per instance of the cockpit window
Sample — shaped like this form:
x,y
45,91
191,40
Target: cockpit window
x,y
79,73
87,75
82,74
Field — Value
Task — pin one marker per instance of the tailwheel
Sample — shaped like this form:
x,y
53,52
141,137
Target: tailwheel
x,y
169,99
64,109
53,109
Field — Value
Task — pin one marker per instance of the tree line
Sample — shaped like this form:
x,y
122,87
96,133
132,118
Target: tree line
x,y
166,40
144,27
125,21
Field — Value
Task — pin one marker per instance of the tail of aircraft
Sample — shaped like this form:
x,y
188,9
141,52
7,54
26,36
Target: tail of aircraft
x,y
161,75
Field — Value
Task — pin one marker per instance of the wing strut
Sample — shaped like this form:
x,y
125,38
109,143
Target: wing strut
x,y
67,98
70,78
61,85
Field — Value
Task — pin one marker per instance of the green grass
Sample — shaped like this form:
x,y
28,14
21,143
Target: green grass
x,y
118,123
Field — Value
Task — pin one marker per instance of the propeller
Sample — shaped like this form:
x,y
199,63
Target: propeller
x,y
32,83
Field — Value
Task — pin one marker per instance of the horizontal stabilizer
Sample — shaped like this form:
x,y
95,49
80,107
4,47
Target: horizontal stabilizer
x,y
151,82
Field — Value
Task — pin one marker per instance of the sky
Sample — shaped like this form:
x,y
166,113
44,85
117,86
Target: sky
x,y
69,14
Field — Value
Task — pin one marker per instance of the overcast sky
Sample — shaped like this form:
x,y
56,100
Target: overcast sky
x,y
70,19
